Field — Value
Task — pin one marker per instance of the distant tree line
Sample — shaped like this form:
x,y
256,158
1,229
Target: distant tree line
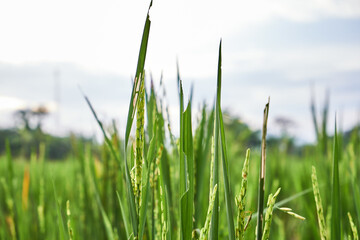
x,y
27,136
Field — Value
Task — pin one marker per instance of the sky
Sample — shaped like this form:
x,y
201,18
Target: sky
x,y
277,48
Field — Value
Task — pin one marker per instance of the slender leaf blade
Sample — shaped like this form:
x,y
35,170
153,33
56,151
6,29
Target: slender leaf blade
x,y
229,212
125,221
335,192
62,231
138,76
214,227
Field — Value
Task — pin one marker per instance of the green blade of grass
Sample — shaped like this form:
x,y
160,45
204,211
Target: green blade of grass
x,y
214,227
125,221
202,188
356,193
106,221
198,156
229,212
61,224
335,193
139,72
187,200
139,77
313,114
261,190
165,160
324,137
178,78
183,180
182,157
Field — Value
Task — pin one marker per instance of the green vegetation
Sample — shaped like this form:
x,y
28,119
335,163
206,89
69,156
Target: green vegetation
x,y
155,185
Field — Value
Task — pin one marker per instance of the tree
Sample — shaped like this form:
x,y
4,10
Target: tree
x,y
31,119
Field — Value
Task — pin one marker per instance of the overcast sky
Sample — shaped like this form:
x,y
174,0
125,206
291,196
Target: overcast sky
x,y
274,48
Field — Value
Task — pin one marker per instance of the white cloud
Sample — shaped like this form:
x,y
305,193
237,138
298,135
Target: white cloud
x,y
302,63
105,35
11,103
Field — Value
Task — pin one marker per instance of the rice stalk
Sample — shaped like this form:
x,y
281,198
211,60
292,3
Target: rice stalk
x,y
319,207
139,141
146,186
205,230
261,189
353,227
69,223
269,214
240,200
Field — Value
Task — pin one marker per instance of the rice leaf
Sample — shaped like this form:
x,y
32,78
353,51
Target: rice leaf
x,y
324,137
335,193
200,160
139,72
228,198
313,114
214,227
125,220
61,224
183,177
187,200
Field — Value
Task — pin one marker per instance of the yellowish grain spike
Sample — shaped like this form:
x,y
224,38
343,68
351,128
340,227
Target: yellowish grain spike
x,y
319,208
269,214
353,227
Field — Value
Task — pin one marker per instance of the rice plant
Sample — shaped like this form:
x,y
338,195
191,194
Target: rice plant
x,y
199,183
